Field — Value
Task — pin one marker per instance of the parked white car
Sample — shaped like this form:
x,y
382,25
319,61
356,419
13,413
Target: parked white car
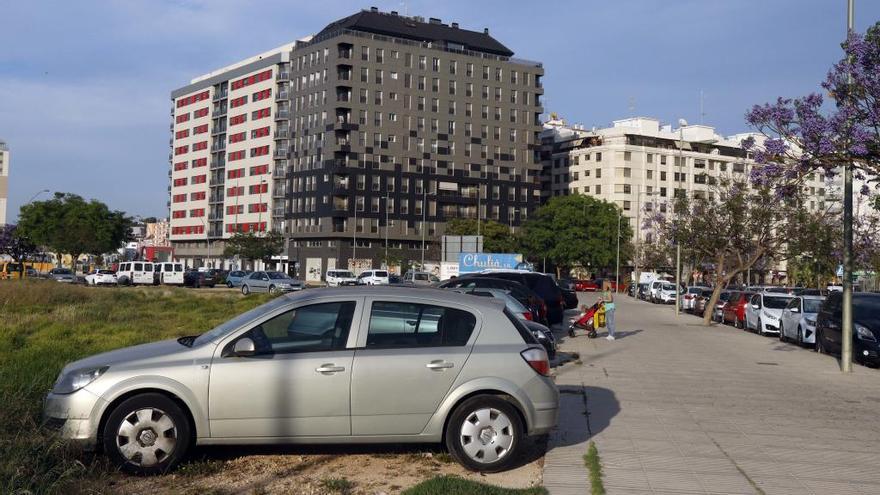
x,y
799,320
335,278
419,278
764,312
666,293
170,273
373,277
135,272
101,277
654,290
690,297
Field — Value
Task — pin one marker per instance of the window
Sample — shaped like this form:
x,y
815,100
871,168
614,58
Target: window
x,y
314,328
397,324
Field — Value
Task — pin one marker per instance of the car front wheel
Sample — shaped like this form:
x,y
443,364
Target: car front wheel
x,y
229,284
272,289
147,434
485,433
245,290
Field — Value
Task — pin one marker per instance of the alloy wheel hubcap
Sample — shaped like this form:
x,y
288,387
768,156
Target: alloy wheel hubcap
x,y
146,437
486,435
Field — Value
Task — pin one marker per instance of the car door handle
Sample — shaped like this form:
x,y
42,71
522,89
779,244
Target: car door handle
x,y
439,365
329,368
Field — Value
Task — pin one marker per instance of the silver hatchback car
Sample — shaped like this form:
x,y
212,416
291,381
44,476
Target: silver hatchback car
x,y
338,365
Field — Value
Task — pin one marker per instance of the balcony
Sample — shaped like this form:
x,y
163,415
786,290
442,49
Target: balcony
x,y
340,205
282,114
281,95
279,192
282,76
344,53
215,216
218,147
218,130
280,153
279,172
278,212
216,198
215,164
220,95
282,133
343,75
219,112
218,181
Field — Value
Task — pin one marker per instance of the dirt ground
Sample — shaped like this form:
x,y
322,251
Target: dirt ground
x,y
320,470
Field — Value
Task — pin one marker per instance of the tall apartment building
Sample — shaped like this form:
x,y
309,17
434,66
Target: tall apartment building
x,y
400,125
228,158
640,165
370,134
4,180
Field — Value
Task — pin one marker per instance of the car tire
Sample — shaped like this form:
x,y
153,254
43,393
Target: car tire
x,y
499,439
736,322
245,290
229,284
272,290
760,328
147,434
782,337
800,336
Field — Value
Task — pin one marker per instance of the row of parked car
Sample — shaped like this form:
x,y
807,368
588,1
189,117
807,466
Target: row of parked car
x,y
807,317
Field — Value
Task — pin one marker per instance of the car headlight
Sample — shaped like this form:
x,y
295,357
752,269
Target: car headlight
x,y
864,333
810,321
74,380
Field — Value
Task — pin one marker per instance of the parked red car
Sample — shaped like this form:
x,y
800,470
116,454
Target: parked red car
x,y
735,309
586,286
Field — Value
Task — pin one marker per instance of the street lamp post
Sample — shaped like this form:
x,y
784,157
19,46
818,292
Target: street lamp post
x,y
387,265
424,221
617,268
847,324
681,124
35,196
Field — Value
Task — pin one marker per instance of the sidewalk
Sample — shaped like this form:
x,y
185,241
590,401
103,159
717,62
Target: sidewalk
x,y
675,407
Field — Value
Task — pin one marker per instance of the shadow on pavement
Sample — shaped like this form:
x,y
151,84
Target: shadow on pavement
x,y
584,412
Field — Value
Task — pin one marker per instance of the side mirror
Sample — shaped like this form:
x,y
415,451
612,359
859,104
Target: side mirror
x,y
244,347
265,279
755,306
795,310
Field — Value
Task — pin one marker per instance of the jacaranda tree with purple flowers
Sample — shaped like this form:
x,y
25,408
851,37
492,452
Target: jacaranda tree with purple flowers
x,y
805,136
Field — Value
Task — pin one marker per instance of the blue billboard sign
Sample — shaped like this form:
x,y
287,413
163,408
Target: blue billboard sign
x,y
476,262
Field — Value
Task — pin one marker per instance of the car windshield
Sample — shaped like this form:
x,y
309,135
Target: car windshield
x,y
695,290
276,275
724,296
866,307
812,305
242,319
62,271
668,287
776,302
105,272
381,274
344,274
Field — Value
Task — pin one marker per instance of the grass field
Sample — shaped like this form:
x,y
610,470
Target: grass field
x,y
44,325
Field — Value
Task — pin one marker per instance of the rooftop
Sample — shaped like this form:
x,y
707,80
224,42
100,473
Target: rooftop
x,y
415,28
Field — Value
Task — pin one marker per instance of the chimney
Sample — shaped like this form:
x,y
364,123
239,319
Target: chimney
x,y
374,9
485,30
454,25
434,20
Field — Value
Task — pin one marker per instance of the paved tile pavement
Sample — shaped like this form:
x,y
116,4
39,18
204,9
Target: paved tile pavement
x,y
678,408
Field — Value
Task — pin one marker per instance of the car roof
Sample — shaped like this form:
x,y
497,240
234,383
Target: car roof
x,y
430,295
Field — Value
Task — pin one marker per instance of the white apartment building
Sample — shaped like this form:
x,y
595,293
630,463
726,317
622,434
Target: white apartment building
x,y
229,155
4,180
640,164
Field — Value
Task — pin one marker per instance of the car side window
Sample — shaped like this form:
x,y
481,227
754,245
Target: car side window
x,y
398,324
313,328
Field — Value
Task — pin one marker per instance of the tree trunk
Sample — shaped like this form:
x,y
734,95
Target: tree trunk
x,y
73,258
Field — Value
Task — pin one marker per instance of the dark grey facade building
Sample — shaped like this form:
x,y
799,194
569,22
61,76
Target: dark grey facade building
x,y
398,125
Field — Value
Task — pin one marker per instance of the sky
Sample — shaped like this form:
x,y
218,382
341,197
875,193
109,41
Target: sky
x,y
85,85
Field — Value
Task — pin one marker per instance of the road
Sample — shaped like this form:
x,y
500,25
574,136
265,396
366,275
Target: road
x,y
676,407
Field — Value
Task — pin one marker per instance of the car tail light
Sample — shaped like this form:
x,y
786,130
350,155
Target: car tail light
x,y
528,315
537,359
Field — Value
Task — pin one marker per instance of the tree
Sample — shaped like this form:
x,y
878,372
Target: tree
x,y
497,237
69,224
577,230
252,247
732,227
802,139
16,246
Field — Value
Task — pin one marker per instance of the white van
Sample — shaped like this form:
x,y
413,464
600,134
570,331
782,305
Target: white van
x,y
419,278
373,277
335,278
170,273
135,272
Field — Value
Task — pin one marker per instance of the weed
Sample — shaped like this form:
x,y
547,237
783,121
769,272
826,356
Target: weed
x,y
444,458
442,485
201,468
594,466
338,485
